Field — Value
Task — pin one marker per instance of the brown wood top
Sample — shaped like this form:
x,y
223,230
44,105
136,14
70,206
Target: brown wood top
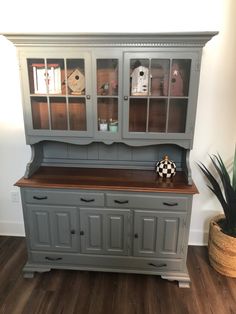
x,y
106,179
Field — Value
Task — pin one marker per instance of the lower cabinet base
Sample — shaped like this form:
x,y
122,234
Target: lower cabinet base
x,y
169,269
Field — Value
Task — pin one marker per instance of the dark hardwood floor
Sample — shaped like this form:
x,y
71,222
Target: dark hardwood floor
x,y
83,292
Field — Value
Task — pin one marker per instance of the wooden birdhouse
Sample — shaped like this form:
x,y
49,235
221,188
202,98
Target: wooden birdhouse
x,y
76,82
176,88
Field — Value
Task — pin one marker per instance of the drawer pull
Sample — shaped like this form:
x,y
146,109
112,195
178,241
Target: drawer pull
x,y
121,202
40,198
53,258
81,232
158,265
87,200
170,204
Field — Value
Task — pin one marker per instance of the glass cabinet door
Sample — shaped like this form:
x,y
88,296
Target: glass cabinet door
x,y
157,98
59,97
107,95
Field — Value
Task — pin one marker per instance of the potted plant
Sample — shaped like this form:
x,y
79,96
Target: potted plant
x,y
222,232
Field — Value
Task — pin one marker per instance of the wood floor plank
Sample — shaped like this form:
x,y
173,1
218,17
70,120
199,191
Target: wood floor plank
x,y
84,292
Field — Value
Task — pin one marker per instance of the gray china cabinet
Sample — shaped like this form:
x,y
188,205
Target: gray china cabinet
x,y
100,110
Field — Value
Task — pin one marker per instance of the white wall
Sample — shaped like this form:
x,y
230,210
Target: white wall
x,y
215,125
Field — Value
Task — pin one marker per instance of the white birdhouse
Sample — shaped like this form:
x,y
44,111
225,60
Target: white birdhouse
x,y
140,81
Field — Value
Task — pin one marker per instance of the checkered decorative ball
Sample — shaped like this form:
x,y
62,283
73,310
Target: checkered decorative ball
x,y
166,168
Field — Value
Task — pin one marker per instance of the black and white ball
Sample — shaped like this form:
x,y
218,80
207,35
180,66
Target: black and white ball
x,y
166,168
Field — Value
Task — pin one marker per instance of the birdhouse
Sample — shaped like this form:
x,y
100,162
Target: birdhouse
x,y
176,88
76,82
140,78
46,80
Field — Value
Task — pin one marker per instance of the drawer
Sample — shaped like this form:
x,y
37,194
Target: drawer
x,y
144,201
158,265
53,258
62,197
133,264
130,264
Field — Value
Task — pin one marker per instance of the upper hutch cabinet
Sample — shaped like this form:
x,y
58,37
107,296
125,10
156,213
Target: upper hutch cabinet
x,y
138,89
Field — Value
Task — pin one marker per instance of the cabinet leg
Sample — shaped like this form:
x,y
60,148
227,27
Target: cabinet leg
x,y
184,284
183,281
29,270
28,274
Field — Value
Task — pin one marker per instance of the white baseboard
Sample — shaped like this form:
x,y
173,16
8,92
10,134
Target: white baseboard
x,y
198,237
12,228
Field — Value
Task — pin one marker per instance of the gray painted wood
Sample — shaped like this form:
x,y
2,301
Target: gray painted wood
x,y
36,160
116,155
174,39
52,228
158,234
104,231
104,238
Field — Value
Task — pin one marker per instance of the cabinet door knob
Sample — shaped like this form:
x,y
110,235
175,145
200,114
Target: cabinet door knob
x,y
125,97
81,232
88,96
72,231
136,235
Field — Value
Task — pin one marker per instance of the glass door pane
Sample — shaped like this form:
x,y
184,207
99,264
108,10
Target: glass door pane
x,y
160,69
39,108
157,115
55,76
77,114
180,77
138,115
58,113
75,76
108,114
177,115
107,77
139,77
37,75
107,94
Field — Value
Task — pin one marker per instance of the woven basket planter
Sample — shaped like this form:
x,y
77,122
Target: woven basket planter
x,y
221,249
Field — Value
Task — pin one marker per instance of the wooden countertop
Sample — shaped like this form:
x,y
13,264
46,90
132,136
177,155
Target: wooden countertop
x,y
106,179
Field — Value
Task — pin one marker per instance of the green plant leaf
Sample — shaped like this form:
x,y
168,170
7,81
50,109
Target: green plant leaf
x,y
216,189
224,176
230,193
223,190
